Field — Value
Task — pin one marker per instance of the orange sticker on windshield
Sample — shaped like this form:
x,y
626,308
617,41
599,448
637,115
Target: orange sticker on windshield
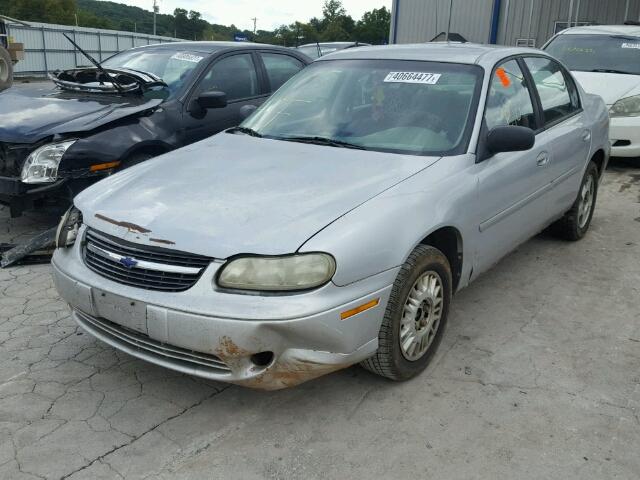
x,y
504,78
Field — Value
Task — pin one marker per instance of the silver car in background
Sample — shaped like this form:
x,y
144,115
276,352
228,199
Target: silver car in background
x,y
335,224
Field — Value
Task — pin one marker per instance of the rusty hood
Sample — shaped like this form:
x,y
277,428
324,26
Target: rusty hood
x,y
232,194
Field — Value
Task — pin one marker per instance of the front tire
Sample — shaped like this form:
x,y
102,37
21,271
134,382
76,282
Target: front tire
x,y
415,317
575,223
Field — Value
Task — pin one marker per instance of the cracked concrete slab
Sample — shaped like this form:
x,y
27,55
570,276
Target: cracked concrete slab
x,y
538,376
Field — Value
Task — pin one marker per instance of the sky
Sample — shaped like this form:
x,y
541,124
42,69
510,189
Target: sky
x,y
270,13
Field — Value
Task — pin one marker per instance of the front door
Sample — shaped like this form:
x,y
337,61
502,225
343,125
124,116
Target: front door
x,y
237,76
512,186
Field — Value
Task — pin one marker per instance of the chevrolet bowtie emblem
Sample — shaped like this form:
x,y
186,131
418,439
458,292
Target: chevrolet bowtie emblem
x,y
128,262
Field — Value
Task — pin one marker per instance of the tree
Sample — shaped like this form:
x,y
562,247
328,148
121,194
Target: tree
x,y
49,11
335,33
374,26
332,10
335,24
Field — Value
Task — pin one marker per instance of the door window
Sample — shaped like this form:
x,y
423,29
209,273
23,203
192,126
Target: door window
x,y
234,75
280,68
559,97
509,101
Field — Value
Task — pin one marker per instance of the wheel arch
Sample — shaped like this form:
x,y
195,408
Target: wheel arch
x,y
448,240
599,158
153,147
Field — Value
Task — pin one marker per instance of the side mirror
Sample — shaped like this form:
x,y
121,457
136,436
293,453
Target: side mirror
x,y
212,99
510,139
246,111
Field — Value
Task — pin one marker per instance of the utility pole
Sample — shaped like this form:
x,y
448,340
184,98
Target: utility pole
x,y
531,23
570,12
156,9
626,11
76,15
449,24
255,20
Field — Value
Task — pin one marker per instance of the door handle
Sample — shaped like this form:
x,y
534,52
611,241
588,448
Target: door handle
x,y
543,159
586,135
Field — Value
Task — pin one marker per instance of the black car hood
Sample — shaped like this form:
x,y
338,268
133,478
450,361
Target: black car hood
x,y
29,114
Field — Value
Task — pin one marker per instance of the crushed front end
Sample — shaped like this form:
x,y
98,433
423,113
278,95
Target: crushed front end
x,y
162,306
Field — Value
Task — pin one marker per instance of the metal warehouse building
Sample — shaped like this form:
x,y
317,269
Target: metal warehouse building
x,y
509,22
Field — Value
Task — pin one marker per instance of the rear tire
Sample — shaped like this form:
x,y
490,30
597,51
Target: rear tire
x,y
415,317
6,70
575,223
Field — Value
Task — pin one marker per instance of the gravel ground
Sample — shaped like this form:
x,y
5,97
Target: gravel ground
x,y
538,376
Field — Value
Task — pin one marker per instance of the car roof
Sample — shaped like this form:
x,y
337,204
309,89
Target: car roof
x,y
449,52
333,43
603,30
209,47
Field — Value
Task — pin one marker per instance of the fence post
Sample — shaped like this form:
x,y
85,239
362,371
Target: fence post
x,y
44,50
75,54
99,46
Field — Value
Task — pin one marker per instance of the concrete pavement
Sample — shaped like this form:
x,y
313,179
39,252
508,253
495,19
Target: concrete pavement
x,y
538,377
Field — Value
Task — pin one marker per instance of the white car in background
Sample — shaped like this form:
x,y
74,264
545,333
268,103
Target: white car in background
x,y
606,61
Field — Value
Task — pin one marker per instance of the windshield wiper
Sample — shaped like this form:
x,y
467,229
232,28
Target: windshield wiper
x,y
245,130
113,81
330,142
611,70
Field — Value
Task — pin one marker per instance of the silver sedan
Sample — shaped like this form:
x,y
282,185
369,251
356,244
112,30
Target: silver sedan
x,y
333,226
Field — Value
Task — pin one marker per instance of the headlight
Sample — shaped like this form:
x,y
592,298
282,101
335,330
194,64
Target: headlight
x,y
42,165
626,107
68,228
291,272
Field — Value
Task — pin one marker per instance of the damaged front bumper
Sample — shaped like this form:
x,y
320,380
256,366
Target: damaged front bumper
x,y
265,342
19,196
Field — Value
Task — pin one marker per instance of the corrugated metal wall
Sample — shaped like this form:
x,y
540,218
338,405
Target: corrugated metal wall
x,y
421,20
47,50
515,14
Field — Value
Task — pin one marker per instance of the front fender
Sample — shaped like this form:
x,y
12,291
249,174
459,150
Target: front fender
x,y
380,234
116,141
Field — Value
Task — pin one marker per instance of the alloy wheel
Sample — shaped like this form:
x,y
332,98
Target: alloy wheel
x,y
421,316
587,193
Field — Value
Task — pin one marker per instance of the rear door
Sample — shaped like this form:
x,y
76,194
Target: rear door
x,y
237,75
566,128
512,186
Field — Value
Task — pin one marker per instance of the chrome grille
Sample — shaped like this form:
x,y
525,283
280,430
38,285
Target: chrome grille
x,y
139,342
150,268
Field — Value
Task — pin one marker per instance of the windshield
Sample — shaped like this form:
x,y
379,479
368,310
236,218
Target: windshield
x,y
420,108
587,53
172,66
